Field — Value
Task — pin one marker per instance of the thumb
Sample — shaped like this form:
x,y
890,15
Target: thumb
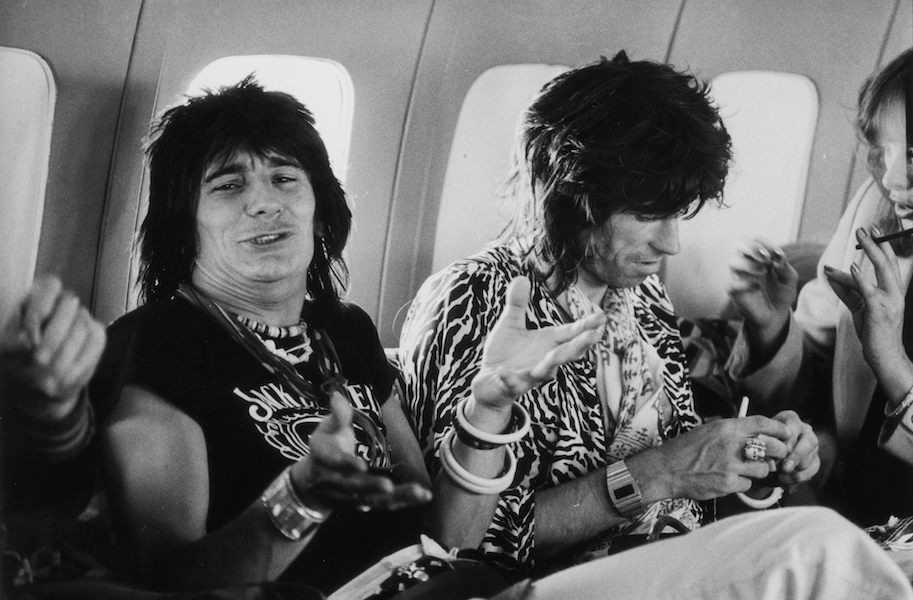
x,y
340,417
514,314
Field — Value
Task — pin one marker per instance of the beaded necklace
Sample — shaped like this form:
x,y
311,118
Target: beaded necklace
x,y
292,343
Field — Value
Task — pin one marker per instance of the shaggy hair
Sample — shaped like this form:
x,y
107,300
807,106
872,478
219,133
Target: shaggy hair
x,y
613,136
208,129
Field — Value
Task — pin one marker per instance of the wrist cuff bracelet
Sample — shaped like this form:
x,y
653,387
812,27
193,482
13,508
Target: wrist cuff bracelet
x,y
291,517
471,482
474,437
902,407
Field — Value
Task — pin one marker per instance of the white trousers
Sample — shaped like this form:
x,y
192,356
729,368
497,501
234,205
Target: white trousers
x,y
783,554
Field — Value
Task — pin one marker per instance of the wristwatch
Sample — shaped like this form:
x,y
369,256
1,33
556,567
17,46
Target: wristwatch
x,y
624,493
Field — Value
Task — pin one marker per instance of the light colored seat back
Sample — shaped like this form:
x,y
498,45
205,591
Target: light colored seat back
x,y
470,214
771,118
27,96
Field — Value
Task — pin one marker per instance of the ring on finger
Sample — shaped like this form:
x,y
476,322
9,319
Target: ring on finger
x,y
755,449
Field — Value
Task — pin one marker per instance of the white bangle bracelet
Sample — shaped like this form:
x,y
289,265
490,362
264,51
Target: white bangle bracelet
x,y
759,503
903,406
469,481
518,414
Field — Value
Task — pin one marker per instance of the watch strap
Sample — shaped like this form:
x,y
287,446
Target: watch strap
x,y
623,491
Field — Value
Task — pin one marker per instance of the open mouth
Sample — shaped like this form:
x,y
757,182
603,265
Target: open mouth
x,y
266,239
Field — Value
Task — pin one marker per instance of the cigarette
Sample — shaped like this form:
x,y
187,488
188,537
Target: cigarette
x,y
889,237
743,408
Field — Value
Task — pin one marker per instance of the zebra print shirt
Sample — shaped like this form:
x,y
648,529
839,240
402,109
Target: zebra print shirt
x,y
440,353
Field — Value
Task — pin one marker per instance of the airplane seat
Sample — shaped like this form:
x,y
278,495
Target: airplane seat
x,y
27,99
470,215
771,117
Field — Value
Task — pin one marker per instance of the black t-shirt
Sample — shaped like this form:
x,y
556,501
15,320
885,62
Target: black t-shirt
x,y
253,427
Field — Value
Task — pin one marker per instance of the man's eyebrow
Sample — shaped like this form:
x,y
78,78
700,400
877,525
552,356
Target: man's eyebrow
x,y
278,160
235,167
228,169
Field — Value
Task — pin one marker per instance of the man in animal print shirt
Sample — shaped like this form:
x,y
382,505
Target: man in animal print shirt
x,y
610,157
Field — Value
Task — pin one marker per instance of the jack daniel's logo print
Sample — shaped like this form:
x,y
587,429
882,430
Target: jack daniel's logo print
x,y
287,422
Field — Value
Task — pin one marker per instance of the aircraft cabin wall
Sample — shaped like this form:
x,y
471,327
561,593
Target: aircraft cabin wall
x,y
411,64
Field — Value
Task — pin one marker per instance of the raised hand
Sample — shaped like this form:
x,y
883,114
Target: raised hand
x,y
877,309
763,288
49,349
516,359
333,477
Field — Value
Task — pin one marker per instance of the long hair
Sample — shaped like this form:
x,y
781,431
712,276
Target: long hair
x,y
208,129
891,86
609,137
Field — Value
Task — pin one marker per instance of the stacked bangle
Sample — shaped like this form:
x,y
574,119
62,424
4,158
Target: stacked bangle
x,y
902,407
482,440
56,439
471,482
292,518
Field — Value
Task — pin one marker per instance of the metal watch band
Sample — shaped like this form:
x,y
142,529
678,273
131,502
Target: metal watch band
x,y
624,493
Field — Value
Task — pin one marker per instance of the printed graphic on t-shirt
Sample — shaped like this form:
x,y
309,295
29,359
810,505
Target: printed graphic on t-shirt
x,y
287,421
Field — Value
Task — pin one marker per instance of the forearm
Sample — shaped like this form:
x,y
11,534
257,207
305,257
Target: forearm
x,y
895,379
249,549
571,513
459,517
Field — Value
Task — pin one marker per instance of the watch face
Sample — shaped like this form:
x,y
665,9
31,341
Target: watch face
x,y
623,491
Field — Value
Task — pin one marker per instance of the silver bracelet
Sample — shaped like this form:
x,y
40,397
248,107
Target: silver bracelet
x,y
291,517
903,406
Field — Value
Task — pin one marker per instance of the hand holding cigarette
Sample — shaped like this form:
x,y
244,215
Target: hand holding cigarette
x,y
888,237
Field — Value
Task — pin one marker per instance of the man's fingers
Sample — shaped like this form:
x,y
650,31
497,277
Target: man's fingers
x,y
62,363
88,357
775,449
564,353
39,303
57,327
760,425
333,483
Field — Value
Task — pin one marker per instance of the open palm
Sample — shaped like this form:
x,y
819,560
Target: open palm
x,y
516,359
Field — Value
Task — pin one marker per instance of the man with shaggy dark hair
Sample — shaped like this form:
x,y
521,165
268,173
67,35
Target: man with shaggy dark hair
x,y
610,156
